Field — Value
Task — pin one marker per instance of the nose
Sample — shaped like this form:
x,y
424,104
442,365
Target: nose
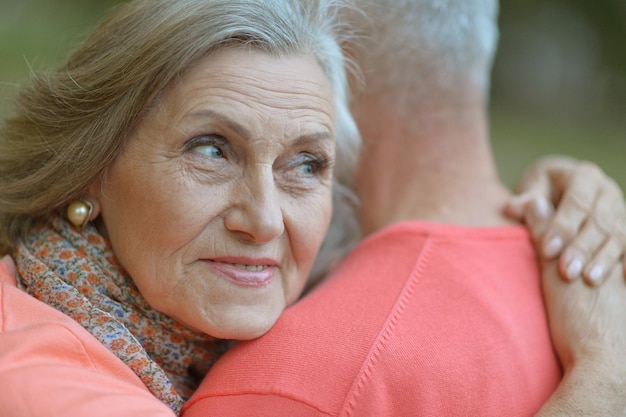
x,y
257,214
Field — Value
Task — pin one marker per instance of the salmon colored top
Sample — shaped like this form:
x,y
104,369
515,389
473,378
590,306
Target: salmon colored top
x,y
420,320
51,366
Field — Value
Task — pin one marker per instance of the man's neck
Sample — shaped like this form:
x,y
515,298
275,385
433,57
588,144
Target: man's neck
x,y
439,168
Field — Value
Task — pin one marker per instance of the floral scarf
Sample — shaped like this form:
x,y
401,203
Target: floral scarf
x,y
78,274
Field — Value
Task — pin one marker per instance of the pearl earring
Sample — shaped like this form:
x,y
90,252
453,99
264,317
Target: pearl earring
x,y
78,212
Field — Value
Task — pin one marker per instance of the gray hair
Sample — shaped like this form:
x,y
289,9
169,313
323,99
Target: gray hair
x,y
416,50
70,124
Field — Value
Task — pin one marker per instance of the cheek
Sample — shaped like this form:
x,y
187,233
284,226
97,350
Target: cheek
x,y
307,230
309,224
137,212
152,224
155,201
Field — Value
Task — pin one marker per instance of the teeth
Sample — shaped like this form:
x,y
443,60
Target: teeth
x,y
252,268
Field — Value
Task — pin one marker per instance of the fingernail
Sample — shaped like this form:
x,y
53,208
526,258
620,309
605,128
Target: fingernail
x,y
595,274
553,247
540,208
574,268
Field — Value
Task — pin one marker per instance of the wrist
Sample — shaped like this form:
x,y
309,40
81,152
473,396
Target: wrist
x,y
589,388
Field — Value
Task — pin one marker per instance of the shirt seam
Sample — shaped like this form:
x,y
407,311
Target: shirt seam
x,y
385,334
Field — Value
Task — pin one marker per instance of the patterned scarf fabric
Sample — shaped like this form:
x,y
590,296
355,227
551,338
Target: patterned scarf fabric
x,y
78,274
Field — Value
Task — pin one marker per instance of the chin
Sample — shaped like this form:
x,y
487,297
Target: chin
x,y
245,326
249,334
242,332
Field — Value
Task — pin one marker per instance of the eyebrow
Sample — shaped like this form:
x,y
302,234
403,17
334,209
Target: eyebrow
x,y
242,131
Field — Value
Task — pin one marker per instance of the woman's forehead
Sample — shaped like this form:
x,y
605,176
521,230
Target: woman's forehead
x,y
278,74
241,80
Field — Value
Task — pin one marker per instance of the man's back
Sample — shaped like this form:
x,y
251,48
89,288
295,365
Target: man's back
x,y
454,326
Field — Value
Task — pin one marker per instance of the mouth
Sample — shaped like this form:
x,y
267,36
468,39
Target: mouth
x,y
247,274
252,268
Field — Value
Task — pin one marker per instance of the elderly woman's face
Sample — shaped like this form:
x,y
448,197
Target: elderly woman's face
x,y
220,200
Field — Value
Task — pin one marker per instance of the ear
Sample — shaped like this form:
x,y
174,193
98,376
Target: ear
x,y
94,195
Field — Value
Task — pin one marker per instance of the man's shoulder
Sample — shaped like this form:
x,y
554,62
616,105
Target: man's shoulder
x,y
330,333
405,302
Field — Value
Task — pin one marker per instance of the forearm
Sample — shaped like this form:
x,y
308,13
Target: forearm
x,y
593,390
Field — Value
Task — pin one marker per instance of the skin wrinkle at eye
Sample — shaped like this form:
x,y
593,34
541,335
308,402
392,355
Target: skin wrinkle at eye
x,y
315,144
295,114
289,187
211,116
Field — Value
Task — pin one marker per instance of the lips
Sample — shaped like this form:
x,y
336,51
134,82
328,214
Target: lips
x,y
248,273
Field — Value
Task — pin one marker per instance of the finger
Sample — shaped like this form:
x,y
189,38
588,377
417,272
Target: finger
x,y
570,268
570,217
604,260
608,217
582,249
535,183
538,213
546,180
576,204
593,239
515,206
609,212
561,230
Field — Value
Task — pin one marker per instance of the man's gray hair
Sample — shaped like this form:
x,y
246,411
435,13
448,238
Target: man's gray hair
x,y
427,47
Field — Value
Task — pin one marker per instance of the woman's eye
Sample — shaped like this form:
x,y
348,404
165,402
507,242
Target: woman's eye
x,y
211,151
212,146
308,168
310,165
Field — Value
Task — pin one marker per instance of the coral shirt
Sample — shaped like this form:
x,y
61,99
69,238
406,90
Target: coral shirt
x,y
51,366
420,320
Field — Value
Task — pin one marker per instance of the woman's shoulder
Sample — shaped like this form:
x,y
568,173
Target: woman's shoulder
x,y
31,330
49,362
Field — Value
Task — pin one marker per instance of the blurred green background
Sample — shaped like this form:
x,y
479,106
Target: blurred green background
x,y
559,81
